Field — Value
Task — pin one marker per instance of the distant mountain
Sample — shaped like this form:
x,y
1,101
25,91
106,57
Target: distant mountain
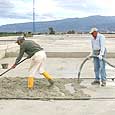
x,y
103,23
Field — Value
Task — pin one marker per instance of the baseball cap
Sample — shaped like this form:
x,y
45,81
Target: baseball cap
x,y
93,30
20,38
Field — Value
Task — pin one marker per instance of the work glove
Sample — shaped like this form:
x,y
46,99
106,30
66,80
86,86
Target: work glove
x,y
13,66
100,57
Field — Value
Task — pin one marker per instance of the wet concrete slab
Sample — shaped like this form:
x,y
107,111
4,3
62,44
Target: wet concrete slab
x,y
66,68
99,92
63,89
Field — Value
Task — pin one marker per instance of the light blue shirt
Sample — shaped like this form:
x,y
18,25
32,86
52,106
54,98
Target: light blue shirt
x,y
99,43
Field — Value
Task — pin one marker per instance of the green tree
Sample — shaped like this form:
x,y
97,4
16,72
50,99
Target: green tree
x,y
71,32
51,30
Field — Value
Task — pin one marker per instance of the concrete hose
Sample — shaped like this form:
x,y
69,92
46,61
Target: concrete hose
x,y
86,59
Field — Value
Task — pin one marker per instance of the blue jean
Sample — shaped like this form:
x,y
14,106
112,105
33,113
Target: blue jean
x,y
99,69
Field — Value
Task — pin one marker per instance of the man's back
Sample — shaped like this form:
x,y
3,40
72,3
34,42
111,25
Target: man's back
x,y
30,47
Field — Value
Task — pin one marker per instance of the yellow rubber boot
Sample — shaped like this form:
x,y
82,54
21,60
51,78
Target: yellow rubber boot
x,y
47,75
30,82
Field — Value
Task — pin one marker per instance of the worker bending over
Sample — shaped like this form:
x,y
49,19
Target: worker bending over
x,y
37,56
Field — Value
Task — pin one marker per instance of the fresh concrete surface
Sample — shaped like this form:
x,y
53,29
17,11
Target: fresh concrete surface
x,y
99,92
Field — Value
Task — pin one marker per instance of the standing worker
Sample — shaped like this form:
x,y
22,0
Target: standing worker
x,y
38,58
98,49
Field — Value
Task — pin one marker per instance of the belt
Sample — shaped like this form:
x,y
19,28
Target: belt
x,y
96,52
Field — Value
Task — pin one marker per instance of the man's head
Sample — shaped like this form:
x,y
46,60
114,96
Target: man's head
x,y
20,39
94,32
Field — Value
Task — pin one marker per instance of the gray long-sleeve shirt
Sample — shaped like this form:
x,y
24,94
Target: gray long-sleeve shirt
x,y
29,47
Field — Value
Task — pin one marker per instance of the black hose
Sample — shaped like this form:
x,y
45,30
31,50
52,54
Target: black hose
x,y
86,59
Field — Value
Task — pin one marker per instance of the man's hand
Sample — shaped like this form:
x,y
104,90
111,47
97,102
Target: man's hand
x,y
89,55
13,66
100,57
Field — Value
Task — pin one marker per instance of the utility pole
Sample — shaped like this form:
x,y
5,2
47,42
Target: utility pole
x,y
34,17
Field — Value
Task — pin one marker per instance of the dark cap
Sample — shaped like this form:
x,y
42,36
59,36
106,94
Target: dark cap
x,y
20,38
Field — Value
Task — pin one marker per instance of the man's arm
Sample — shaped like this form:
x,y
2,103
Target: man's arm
x,y
102,43
21,53
102,47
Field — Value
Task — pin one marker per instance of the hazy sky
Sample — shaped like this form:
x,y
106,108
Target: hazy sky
x,y
18,11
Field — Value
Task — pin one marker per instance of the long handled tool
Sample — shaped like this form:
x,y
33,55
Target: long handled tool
x,y
86,59
11,68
